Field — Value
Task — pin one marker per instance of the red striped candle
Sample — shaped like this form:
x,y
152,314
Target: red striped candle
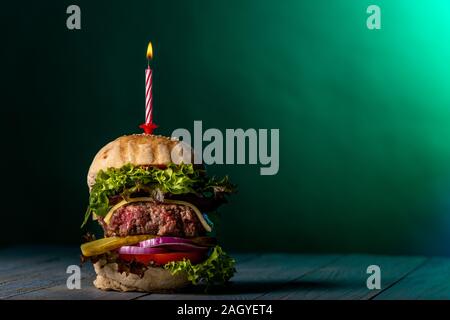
x,y
148,96
148,126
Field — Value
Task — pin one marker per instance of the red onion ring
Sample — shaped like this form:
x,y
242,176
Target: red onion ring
x,y
172,244
162,240
187,247
139,250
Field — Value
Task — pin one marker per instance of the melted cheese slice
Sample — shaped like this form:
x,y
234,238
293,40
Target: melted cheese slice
x,y
148,199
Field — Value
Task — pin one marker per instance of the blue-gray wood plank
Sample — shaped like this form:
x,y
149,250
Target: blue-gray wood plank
x,y
40,273
430,281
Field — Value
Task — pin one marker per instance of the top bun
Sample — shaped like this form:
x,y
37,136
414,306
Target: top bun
x,y
139,150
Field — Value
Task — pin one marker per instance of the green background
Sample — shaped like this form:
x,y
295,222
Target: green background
x,y
364,116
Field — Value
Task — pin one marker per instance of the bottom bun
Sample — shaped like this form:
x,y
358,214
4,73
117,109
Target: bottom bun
x,y
154,279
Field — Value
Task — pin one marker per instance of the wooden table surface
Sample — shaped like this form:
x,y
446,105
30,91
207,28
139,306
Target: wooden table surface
x,y
40,273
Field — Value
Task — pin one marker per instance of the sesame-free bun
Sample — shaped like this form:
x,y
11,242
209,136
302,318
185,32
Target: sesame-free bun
x,y
154,279
139,150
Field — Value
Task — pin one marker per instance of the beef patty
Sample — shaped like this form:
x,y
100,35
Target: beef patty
x,y
154,218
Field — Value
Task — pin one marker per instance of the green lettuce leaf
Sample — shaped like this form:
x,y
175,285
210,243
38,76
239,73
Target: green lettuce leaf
x,y
217,269
175,179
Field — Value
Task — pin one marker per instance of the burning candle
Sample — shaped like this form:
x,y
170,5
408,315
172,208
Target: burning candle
x,y
148,126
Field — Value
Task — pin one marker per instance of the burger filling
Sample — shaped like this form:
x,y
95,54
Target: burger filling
x,y
157,217
154,218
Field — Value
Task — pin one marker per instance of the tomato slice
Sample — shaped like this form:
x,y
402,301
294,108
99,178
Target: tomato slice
x,y
163,258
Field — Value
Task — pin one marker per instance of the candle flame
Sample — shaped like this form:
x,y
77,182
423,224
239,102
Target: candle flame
x,y
149,51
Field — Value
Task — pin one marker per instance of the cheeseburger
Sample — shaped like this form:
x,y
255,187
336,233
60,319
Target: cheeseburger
x,y
152,205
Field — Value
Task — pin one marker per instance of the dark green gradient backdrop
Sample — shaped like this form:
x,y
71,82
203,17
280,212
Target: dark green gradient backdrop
x,y
364,116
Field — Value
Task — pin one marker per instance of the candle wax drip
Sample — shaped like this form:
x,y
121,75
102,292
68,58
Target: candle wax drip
x,y
148,127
